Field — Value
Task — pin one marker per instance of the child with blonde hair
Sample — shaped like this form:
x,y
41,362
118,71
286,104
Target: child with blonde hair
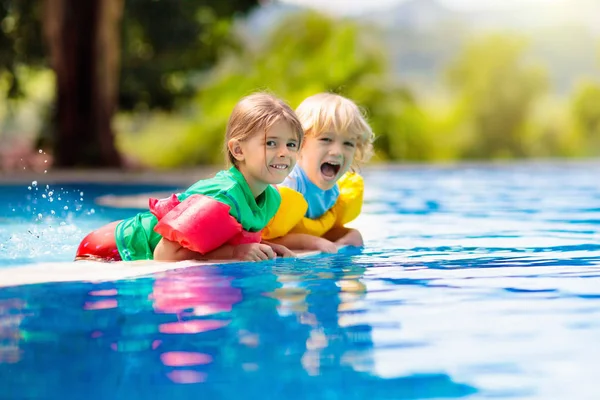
x,y
221,217
323,192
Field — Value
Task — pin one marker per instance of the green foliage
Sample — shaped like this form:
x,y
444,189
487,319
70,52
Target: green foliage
x,y
586,113
497,91
586,107
20,41
165,41
181,56
305,54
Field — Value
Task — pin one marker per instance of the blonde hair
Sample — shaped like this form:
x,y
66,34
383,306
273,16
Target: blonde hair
x,y
257,113
331,112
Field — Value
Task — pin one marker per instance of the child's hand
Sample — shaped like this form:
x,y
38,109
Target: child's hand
x,y
325,245
351,238
280,250
253,252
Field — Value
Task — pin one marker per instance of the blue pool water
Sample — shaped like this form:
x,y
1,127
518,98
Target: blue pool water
x,y
476,282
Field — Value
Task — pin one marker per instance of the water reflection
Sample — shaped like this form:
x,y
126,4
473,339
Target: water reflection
x,y
11,315
275,330
333,338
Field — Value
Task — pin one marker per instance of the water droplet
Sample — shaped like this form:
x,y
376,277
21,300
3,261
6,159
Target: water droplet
x,y
28,187
92,211
66,207
45,171
59,199
40,151
52,212
43,196
81,194
50,199
47,187
50,193
40,216
45,161
34,183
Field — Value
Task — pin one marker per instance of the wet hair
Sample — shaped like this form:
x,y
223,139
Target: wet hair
x,y
255,114
329,112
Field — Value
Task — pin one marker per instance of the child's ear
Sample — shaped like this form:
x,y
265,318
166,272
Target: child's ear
x,y
235,149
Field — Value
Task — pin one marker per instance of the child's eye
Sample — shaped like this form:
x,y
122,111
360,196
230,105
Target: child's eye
x,y
350,144
292,145
325,139
271,143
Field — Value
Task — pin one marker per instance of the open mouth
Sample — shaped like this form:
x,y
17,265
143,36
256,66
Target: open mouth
x,y
279,166
330,170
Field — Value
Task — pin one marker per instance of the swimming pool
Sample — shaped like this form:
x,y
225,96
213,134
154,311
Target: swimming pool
x,y
475,282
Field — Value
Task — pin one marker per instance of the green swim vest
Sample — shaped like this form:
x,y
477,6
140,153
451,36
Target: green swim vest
x,y
135,236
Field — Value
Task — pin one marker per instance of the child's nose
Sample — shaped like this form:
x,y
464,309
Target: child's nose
x,y
335,150
283,151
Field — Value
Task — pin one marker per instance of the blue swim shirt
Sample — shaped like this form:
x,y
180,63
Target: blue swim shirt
x,y
319,200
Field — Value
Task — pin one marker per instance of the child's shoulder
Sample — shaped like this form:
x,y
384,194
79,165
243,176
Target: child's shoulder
x,y
222,181
291,183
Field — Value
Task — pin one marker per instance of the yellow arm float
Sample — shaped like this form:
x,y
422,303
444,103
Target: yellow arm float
x,y
316,227
348,206
291,211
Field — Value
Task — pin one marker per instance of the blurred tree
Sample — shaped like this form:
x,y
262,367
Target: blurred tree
x,y
20,40
164,42
586,111
83,40
304,54
497,90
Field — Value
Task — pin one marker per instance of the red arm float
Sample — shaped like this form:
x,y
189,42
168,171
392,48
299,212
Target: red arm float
x,y
200,223
161,207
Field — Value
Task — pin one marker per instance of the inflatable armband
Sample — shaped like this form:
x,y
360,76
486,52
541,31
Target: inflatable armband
x,y
199,223
290,213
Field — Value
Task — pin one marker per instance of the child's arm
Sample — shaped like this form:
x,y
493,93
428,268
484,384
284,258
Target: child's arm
x,y
167,250
345,236
303,241
280,249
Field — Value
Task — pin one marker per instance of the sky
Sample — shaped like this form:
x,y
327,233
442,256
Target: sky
x,y
359,6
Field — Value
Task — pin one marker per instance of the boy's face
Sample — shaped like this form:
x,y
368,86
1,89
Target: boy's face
x,y
327,157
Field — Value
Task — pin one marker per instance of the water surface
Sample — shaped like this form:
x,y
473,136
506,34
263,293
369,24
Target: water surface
x,y
475,282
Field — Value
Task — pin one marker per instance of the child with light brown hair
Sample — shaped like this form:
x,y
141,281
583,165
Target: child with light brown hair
x,y
323,192
221,217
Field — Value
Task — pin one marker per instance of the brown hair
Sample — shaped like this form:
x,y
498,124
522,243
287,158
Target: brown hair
x,y
324,112
257,113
